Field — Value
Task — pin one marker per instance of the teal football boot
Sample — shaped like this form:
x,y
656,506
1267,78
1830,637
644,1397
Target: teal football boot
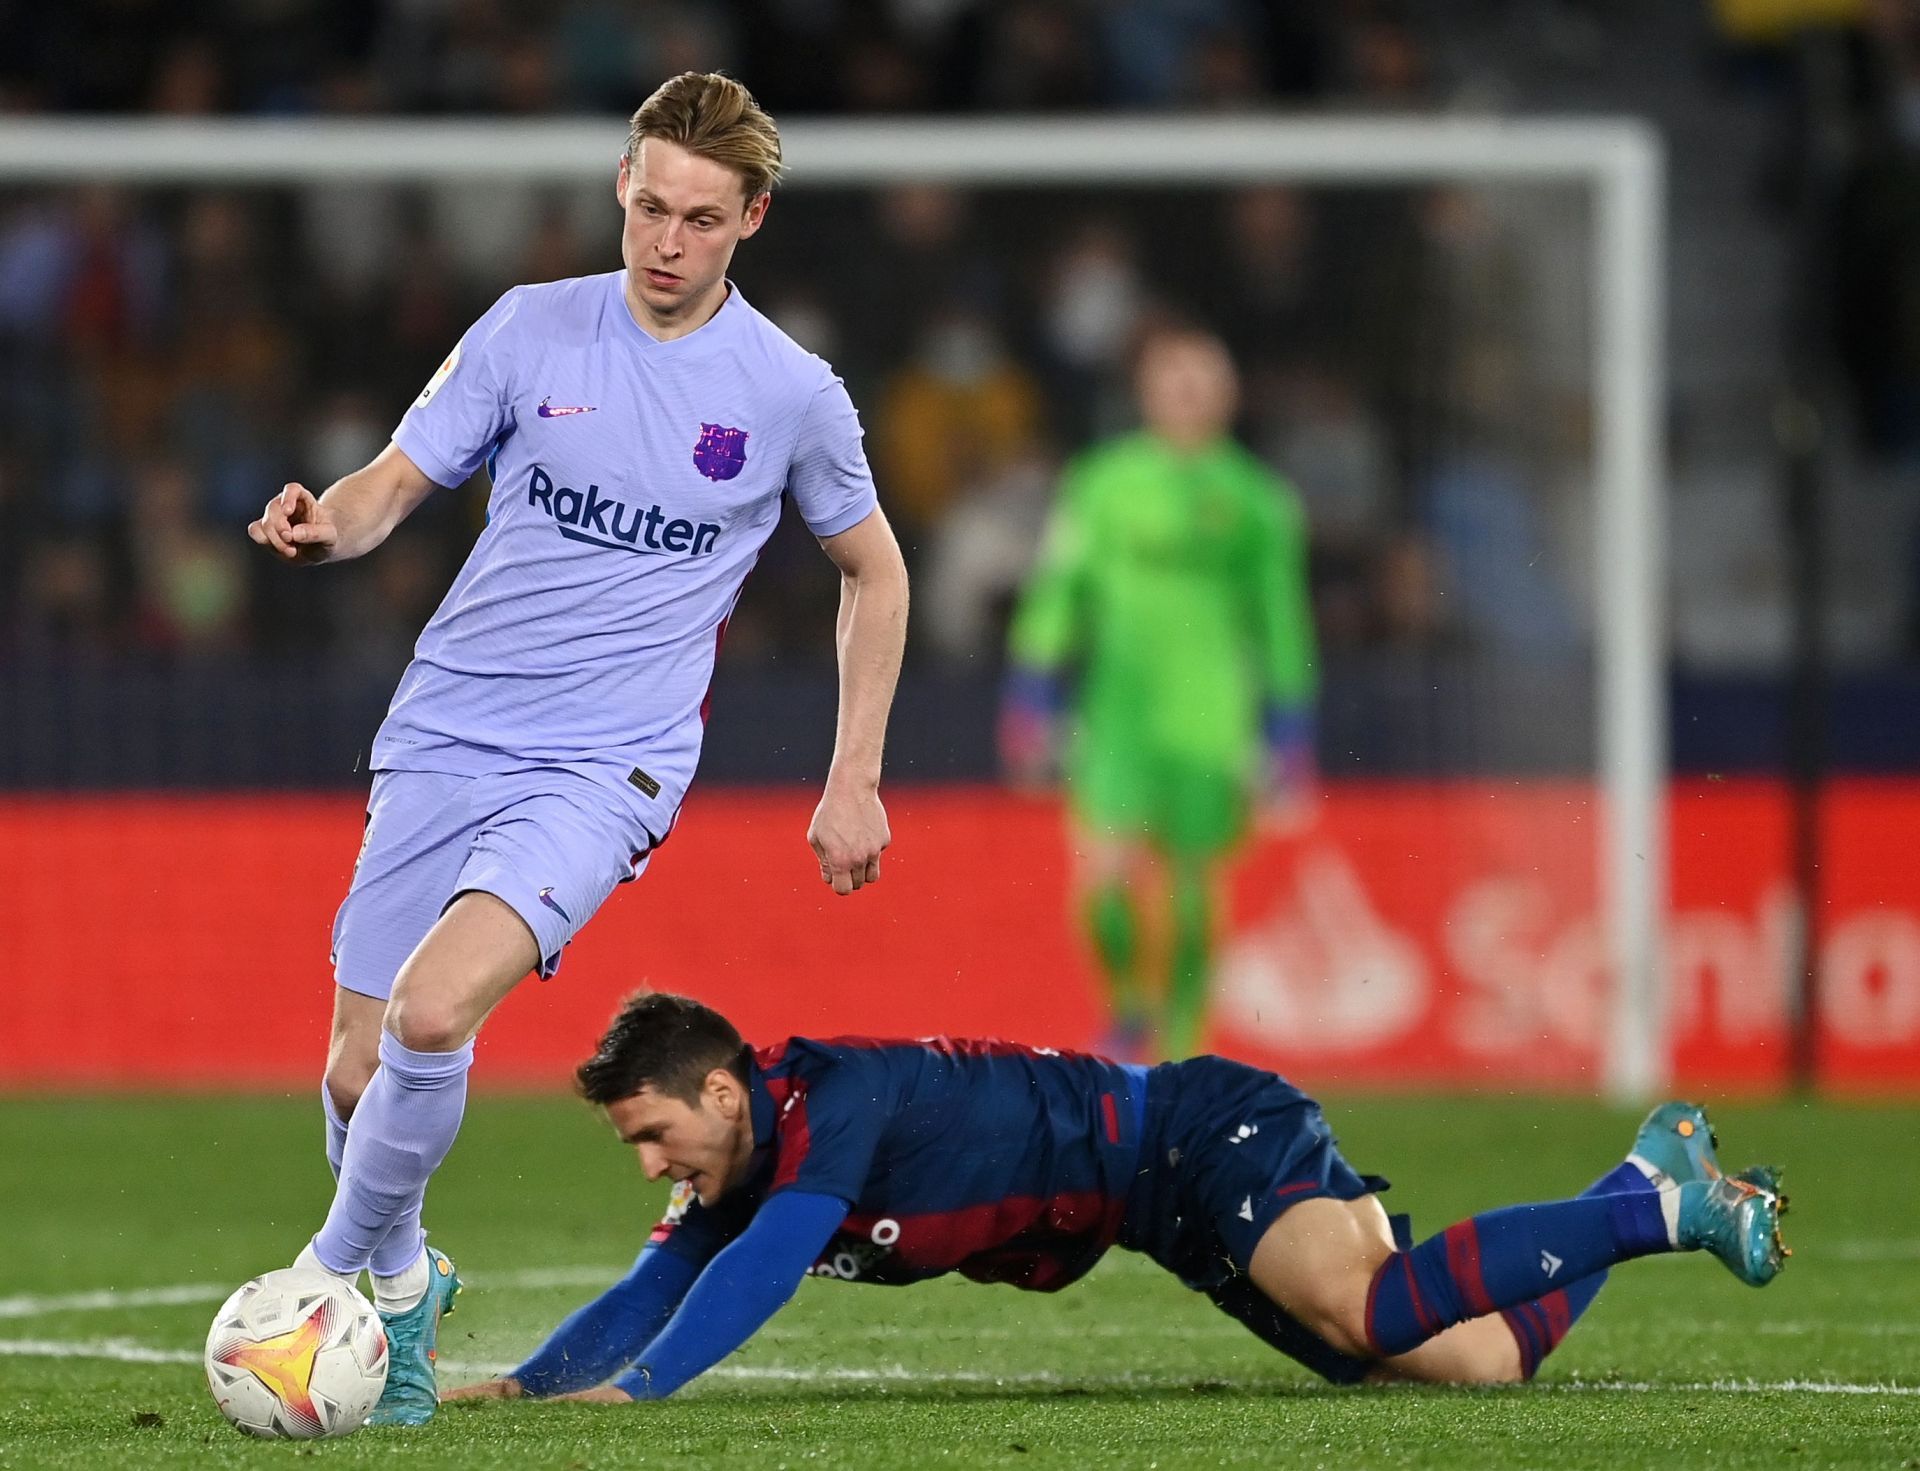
x,y
1676,1144
411,1395
1737,1218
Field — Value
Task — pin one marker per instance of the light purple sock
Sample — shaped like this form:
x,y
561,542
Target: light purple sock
x,y
388,1261
336,1132
400,1247
403,1127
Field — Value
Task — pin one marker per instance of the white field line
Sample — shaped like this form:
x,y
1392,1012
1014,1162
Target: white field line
x,y
1790,1328
1215,1327
1871,1251
31,1305
121,1350
538,1278
1204,1330
126,1351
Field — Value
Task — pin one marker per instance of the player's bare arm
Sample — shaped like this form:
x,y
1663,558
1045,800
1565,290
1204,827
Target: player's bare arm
x,y
697,1292
356,514
849,828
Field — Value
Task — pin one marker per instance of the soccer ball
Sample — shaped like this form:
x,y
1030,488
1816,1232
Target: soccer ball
x,y
296,1354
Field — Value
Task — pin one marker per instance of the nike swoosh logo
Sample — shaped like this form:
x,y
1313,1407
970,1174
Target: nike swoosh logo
x,y
551,411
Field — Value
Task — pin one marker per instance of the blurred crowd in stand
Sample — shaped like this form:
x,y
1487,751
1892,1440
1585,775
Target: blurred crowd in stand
x,y
799,56
1416,360
171,355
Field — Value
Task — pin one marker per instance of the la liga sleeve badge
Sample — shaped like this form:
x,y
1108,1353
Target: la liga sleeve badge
x,y
444,372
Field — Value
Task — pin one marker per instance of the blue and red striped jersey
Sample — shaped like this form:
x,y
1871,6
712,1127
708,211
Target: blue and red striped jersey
x,y
1001,1162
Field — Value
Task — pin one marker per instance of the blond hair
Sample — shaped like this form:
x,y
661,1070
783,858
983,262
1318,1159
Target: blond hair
x,y
713,117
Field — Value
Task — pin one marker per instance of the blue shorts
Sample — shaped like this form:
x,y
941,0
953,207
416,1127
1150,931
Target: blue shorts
x,y
1225,1150
550,844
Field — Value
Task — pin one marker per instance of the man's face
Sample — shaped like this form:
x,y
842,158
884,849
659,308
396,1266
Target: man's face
x,y
1188,389
684,215
707,1142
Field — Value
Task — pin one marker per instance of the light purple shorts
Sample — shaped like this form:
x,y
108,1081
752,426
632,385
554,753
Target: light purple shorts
x,y
550,844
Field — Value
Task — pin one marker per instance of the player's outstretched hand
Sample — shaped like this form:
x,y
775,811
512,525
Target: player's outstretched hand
x,y
485,1389
296,526
848,834
606,1394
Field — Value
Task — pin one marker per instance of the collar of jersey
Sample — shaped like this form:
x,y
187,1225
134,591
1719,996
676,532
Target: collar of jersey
x,y
670,344
760,1104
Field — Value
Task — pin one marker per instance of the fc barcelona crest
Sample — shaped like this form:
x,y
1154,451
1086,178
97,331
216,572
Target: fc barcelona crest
x,y
721,452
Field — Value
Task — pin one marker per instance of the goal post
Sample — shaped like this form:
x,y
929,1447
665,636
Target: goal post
x,y
1620,163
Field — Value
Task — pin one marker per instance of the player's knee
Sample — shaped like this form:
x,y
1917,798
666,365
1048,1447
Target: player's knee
x,y
1482,1367
351,1060
425,1024
345,1081
1345,1328
1105,862
1491,1357
1338,1316
1318,1262
1493,1372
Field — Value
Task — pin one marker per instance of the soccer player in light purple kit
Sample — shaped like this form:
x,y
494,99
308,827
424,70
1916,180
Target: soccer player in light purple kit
x,y
640,429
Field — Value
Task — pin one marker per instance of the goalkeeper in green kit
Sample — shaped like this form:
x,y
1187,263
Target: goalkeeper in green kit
x,y
1172,589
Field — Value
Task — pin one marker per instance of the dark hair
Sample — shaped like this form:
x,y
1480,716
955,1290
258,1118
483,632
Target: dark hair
x,y
713,117
661,1041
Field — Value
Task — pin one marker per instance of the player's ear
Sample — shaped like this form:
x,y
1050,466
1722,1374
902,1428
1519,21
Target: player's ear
x,y
620,181
724,1089
756,214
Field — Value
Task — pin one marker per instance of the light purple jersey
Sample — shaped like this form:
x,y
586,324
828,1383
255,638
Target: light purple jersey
x,y
634,483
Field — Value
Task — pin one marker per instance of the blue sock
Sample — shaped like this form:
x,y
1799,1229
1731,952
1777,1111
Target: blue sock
x,y
1538,1326
1503,1258
336,1132
403,1127
1620,1180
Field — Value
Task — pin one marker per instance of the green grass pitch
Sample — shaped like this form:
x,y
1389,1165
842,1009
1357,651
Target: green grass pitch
x,y
172,1202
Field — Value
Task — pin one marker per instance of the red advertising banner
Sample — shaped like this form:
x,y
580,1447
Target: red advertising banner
x,y
1433,934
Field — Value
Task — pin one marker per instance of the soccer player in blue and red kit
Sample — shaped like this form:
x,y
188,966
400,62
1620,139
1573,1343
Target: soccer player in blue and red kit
x,y
641,429
895,1161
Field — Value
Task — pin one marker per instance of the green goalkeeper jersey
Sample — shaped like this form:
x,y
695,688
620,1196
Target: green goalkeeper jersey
x,y
1175,583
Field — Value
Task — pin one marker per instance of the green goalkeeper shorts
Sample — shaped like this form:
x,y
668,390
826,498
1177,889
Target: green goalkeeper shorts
x,y
1182,808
